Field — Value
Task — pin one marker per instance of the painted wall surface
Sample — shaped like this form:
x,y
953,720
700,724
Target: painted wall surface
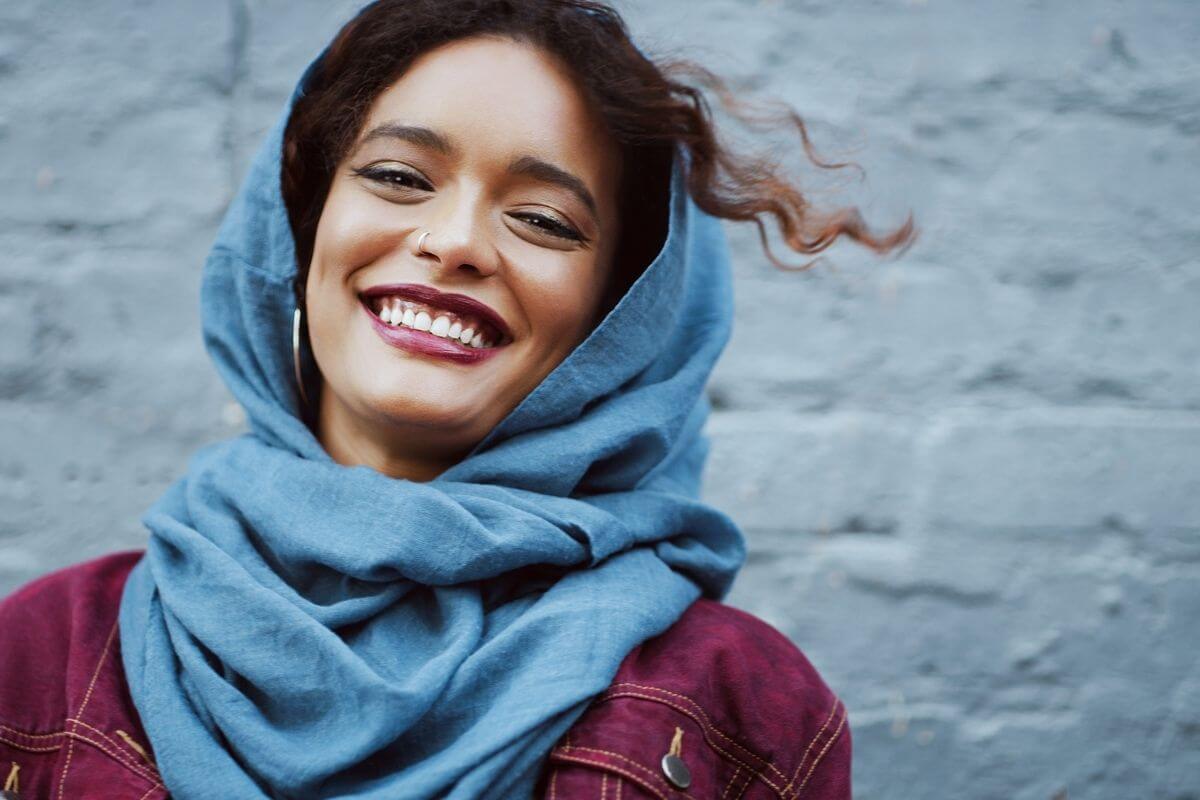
x,y
970,475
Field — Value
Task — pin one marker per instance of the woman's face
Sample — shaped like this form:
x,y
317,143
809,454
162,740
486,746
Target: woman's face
x,y
489,146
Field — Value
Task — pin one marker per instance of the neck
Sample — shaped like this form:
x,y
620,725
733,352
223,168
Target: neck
x,y
351,441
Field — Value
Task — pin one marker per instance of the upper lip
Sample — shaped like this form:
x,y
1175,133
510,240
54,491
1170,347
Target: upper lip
x,y
450,301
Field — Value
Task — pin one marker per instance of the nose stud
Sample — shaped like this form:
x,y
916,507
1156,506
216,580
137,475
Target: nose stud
x,y
421,244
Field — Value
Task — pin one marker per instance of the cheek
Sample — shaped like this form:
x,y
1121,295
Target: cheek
x,y
346,239
561,306
352,232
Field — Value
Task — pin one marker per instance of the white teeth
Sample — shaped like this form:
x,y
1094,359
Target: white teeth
x,y
394,312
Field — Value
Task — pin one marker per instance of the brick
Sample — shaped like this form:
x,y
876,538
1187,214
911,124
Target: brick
x,y
1067,469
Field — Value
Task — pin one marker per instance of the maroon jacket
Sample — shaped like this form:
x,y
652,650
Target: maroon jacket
x,y
738,707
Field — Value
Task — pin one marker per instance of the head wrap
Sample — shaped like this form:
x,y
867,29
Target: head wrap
x,y
299,628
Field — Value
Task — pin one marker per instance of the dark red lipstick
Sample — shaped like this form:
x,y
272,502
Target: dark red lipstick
x,y
427,343
447,301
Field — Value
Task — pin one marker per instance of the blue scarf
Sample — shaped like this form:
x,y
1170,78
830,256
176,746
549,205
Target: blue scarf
x,y
301,629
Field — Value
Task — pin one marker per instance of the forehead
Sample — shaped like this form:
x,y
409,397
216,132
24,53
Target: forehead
x,y
496,97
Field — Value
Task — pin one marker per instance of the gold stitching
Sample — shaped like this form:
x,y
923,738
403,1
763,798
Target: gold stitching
x,y
618,770
12,782
31,748
828,744
732,780
749,754
96,671
604,786
653,775
705,728
118,756
67,766
553,780
19,732
702,713
88,696
804,758
745,786
111,743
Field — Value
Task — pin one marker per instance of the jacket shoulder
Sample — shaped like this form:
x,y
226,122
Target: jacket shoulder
x,y
740,705
52,629
68,726
84,576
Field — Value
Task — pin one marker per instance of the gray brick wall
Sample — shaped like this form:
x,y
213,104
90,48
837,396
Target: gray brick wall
x,y
970,476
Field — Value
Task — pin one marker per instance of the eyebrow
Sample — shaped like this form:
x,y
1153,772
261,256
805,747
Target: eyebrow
x,y
527,165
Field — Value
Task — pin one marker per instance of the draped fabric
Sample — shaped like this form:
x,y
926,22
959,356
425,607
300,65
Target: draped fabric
x,y
299,628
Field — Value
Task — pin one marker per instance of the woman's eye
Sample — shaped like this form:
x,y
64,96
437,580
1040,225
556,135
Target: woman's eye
x,y
551,226
399,178
406,179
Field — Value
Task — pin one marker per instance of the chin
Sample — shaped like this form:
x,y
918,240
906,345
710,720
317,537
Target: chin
x,y
398,405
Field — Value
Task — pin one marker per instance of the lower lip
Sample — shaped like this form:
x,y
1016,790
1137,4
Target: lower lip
x,y
424,343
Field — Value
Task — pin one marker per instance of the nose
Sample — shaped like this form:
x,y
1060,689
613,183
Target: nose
x,y
459,236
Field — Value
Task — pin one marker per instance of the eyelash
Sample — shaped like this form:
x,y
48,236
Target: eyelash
x,y
390,176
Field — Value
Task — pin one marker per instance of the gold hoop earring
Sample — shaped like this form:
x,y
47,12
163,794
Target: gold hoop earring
x,y
296,355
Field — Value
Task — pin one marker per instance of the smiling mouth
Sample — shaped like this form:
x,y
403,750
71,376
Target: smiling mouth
x,y
465,330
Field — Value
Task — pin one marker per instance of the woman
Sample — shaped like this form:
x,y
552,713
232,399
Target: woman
x,y
469,297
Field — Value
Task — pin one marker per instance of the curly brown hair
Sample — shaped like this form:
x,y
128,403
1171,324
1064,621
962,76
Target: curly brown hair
x,y
650,108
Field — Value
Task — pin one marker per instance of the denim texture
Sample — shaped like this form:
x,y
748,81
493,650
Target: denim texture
x,y
68,727
753,719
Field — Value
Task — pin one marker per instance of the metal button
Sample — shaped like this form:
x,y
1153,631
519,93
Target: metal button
x,y
676,771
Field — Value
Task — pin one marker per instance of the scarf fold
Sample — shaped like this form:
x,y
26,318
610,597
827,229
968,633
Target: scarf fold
x,y
301,629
